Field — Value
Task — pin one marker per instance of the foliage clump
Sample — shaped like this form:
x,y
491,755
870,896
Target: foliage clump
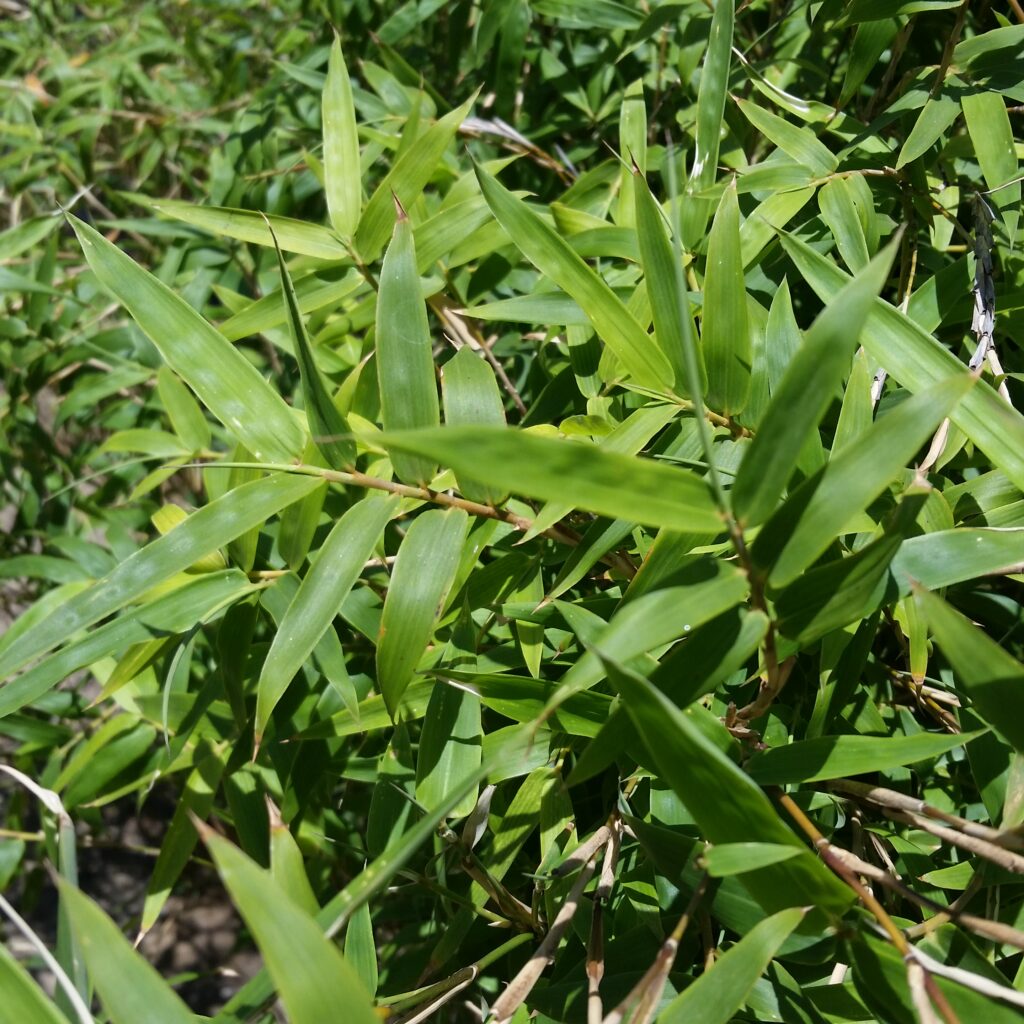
x,y
539,484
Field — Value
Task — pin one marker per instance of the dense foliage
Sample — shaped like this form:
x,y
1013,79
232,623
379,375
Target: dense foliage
x,y
532,490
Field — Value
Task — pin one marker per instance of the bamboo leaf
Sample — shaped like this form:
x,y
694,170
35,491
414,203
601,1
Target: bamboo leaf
x,y
840,214
342,181
803,396
714,86
405,181
915,359
224,380
666,289
405,364
556,259
720,991
725,333
327,425
700,772
471,396
989,126
24,1001
836,757
984,671
318,600
130,988
605,482
296,236
423,575
818,510
311,975
206,530
450,748
798,142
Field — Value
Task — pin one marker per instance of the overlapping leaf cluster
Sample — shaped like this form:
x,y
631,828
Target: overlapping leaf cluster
x,y
540,484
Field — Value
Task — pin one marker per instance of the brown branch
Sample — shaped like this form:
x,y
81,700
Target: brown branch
x,y
898,939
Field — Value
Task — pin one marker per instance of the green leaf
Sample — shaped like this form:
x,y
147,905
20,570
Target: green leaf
x,y
737,858
876,10
224,380
423,575
405,363
24,1001
836,757
700,773
296,236
841,217
816,512
798,142
807,389
312,977
287,866
183,411
725,333
363,886
555,259
450,748
342,181
205,530
722,989
608,483
130,988
327,425
984,671
880,975
940,559
666,290
405,181
471,396
992,135
318,600
937,114
361,949
915,359
714,86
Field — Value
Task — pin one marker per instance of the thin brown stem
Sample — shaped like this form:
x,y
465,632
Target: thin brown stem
x,y
898,939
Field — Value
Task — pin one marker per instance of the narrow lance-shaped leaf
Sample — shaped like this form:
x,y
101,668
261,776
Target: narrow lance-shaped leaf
x,y
225,381
312,977
405,181
129,986
342,183
725,333
24,1001
556,259
405,364
632,149
917,361
992,134
471,396
722,989
424,572
806,391
666,290
836,757
818,510
699,772
327,425
332,575
714,84
204,531
609,483
296,236
992,678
